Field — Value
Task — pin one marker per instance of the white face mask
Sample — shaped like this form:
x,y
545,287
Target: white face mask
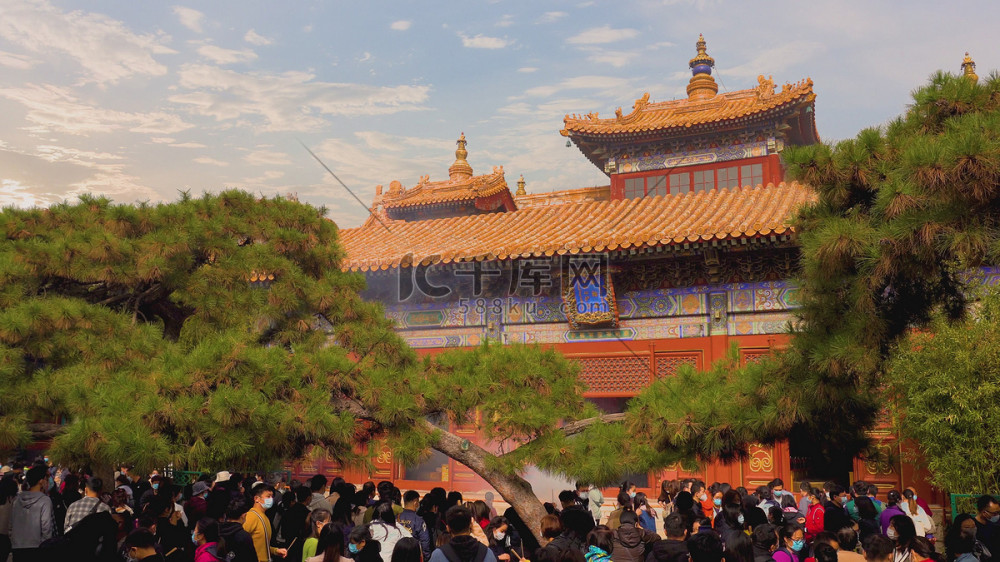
x,y
499,535
891,533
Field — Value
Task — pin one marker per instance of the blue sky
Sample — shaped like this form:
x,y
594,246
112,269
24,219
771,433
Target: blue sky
x,y
138,100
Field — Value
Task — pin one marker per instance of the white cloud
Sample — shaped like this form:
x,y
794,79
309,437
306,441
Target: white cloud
x,y
52,108
104,47
15,194
267,158
616,59
210,161
186,145
290,101
264,178
255,38
506,21
365,57
776,59
527,69
190,18
163,140
549,17
19,62
603,34
220,55
401,25
480,41
607,85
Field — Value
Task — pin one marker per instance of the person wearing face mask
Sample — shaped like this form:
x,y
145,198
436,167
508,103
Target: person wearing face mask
x,y
499,540
988,524
155,483
792,540
960,542
730,520
196,507
834,515
921,520
703,500
891,510
259,526
816,515
205,537
902,533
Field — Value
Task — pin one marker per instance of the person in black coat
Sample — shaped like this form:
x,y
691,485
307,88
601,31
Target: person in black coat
x,y
361,547
835,516
237,541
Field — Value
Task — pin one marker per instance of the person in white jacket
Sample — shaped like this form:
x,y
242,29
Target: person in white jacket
x,y
921,519
385,530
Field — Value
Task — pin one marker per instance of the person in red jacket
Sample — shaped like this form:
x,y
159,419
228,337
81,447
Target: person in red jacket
x,y
816,515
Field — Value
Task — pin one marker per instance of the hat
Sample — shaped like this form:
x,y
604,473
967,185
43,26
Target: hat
x,y
4,469
199,488
223,476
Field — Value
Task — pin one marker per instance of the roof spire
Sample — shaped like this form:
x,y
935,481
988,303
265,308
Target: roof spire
x,y
969,68
520,187
702,85
461,168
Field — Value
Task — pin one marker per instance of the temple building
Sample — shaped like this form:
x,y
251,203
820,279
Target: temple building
x,y
686,251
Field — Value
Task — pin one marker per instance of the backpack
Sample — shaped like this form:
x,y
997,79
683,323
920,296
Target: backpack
x,y
452,556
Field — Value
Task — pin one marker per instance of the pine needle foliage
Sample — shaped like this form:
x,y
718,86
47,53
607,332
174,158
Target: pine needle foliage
x,y
148,330
209,333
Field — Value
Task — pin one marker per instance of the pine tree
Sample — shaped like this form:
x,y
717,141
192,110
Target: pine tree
x,y
220,332
903,214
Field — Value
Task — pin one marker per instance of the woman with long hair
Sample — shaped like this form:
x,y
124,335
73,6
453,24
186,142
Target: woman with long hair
x,y
330,547
921,519
960,544
385,530
315,522
668,490
902,531
407,550
499,538
647,515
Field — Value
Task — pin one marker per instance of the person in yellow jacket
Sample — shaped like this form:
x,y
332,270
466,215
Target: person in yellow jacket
x,y
259,526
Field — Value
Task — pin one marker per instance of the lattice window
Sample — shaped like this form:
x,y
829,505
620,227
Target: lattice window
x,y
667,365
614,374
754,356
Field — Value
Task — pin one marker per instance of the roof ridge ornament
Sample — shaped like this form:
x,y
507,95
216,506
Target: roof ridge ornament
x,y
520,187
702,86
461,168
969,68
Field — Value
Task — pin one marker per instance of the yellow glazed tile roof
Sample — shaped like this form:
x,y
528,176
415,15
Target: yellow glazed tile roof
x,y
586,226
686,112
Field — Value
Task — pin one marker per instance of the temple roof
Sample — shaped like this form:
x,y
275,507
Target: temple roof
x,y
686,113
483,193
786,113
583,226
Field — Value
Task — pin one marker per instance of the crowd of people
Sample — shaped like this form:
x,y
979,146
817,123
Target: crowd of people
x,y
52,514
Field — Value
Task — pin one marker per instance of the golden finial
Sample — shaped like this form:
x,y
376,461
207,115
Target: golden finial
x,y
520,186
702,85
969,68
461,168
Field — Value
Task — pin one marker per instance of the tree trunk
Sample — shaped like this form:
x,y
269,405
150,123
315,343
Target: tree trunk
x,y
512,488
